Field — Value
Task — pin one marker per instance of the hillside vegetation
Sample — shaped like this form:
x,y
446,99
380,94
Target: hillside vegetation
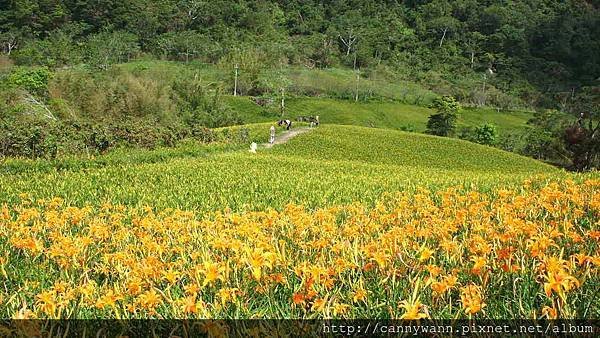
x,y
316,224
79,78
446,46
152,104
131,187
331,164
388,115
339,143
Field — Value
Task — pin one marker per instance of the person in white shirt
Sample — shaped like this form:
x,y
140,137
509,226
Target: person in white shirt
x,y
272,137
253,147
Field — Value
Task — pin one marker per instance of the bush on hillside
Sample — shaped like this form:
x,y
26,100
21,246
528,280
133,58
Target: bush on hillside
x,y
443,123
485,134
34,80
80,112
34,137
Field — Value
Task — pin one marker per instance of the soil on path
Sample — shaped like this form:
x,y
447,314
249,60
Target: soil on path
x,y
284,137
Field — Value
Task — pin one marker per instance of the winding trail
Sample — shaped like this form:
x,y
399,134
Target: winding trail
x,y
284,137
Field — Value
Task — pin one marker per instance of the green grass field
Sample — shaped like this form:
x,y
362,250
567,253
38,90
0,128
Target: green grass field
x,y
390,115
332,82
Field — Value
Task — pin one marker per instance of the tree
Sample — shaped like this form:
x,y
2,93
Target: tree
x,y
583,138
437,18
9,42
443,123
473,44
350,28
184,45
107,48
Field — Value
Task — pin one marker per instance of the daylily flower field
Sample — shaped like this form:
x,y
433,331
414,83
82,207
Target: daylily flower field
x,y
531,251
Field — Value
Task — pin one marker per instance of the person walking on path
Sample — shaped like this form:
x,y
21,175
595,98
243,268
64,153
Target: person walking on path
x,y
286,123
272,137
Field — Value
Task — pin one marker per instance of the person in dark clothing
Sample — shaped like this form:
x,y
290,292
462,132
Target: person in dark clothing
x,y
286,123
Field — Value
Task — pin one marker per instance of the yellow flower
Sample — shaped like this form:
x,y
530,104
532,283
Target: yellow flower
x,y
471,299
171,276
150,300
191,289
360,295
190,305
228,295
550,312
5,214
340,309
47,302
559,282
478,264
413,310
134,286
212,273
426,254
319,305
108,300
439,287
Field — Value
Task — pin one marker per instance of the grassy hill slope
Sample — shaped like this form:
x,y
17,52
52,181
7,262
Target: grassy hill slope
x,y
348,143
328,166
329,93
391,115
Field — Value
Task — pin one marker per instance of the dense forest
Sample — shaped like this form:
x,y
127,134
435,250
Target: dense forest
x,y
545,46
538,54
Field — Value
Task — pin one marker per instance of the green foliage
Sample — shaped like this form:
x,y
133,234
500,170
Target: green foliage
x,y
543,140
443,123
36,137
389,115
446,105
570,140
83,112
58,49
29,137
185,46
107,48
444,45
582,139
485,134
33,80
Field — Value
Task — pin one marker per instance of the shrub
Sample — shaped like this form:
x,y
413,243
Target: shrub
x,y
443,123
486,134
29,136
34,80
31,53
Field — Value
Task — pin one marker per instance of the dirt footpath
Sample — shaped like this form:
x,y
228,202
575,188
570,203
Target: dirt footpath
x,y
283,138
